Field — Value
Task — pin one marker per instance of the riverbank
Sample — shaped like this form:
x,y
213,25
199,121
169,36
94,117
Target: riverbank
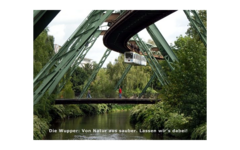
x,y
169,123
108,126
62,112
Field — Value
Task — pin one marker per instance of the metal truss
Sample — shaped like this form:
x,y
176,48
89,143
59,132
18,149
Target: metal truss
x,y
91,78
162,45
197,24
41,19
145,88
123,76
54,70
156,67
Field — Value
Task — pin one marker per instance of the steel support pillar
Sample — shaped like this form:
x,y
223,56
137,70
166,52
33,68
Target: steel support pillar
x,y
53,71
79,59
156,67
123,76
162,45
197,24
145,88
106,54
41,19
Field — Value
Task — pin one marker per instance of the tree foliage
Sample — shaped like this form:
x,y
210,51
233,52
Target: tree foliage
x,y
131,85
43,51
79,76
192,32
185,97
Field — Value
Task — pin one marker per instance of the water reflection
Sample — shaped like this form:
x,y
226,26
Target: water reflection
x,y
98,127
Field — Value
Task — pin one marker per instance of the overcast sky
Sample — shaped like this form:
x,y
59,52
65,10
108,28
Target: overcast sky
x,y
65,23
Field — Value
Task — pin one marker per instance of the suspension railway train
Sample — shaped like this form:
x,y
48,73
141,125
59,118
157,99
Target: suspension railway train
x,y
134,59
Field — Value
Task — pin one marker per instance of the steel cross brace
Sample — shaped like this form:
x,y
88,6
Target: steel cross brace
x,y
105,55
123,76
41,19
145,88
162,45
59,64
156,67
197,24
80,58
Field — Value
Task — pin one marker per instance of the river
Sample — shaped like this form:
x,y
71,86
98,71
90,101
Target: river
x,y
111,126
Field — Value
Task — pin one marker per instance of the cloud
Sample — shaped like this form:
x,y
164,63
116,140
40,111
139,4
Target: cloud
x,y
170,27
97,51
58,31
66,22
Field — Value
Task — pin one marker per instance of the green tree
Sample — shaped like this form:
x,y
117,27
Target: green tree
x,y
43,51
192,32
187,91
78,77
131,85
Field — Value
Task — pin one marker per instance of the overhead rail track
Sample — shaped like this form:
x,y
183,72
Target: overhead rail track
x,y
129,24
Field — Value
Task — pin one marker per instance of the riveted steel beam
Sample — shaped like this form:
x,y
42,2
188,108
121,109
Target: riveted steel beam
x,y
59,63
41,19
162,45
197,24
145,88
123,75
93,75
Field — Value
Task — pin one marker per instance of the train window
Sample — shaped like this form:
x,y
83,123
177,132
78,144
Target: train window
x,y
129,55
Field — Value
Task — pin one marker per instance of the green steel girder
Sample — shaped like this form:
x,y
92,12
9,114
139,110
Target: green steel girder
x,y
41,19
59,64
162,45
80,58
145,88
156,67
105,55
123,76
197,24
84,52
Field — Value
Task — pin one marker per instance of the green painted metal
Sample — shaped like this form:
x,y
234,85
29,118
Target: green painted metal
x,y
84,52
80,58
55,69
41,18
156,67
37,14
91,78
162,45
123,76
197,24
145,88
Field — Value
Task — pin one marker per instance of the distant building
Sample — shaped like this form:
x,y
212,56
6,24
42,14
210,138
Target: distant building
x,y
85,61
56,48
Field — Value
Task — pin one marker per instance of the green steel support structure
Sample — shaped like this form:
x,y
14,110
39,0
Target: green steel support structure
x,y
55,69
106,54
41,19
164,49
123,76
156,67
80,58
162,45
197,24
145,88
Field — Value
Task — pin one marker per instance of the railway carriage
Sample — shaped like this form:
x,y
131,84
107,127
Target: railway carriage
x,y
134,58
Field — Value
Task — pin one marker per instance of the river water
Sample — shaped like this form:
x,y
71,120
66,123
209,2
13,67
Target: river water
x,y
111,126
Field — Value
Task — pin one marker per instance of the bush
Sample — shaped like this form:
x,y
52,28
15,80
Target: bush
x,y
178,122
73,110
200,132
40,128
58,111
